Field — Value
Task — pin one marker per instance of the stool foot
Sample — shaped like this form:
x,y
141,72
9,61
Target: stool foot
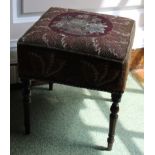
x,y
116,97
50,85
26,102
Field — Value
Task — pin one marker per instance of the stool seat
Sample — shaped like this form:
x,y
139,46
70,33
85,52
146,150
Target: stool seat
x,y
77,48
98,35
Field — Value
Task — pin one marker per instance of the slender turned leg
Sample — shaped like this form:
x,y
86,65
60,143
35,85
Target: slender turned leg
x,y
116,97
26,101
50,85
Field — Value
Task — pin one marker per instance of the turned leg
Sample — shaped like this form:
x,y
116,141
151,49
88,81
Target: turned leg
x,y
116,97
26,101
50,85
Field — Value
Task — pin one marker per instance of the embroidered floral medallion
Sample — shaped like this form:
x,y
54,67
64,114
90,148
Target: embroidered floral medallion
x,y
80,24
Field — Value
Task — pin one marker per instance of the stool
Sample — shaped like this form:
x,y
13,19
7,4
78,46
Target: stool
x,y
77,48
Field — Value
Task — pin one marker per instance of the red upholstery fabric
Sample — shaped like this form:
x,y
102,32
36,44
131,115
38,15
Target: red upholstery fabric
x,y
77,48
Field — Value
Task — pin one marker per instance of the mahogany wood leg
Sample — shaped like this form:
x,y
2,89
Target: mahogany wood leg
x,y
26,102
116,97
50,85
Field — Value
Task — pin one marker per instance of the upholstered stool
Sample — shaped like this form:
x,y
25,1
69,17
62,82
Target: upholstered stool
x,y
77,48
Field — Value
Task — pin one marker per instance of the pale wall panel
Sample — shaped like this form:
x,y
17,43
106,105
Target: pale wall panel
x,y
30,6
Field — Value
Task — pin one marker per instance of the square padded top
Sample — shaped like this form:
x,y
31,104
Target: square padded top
x,y
80,32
